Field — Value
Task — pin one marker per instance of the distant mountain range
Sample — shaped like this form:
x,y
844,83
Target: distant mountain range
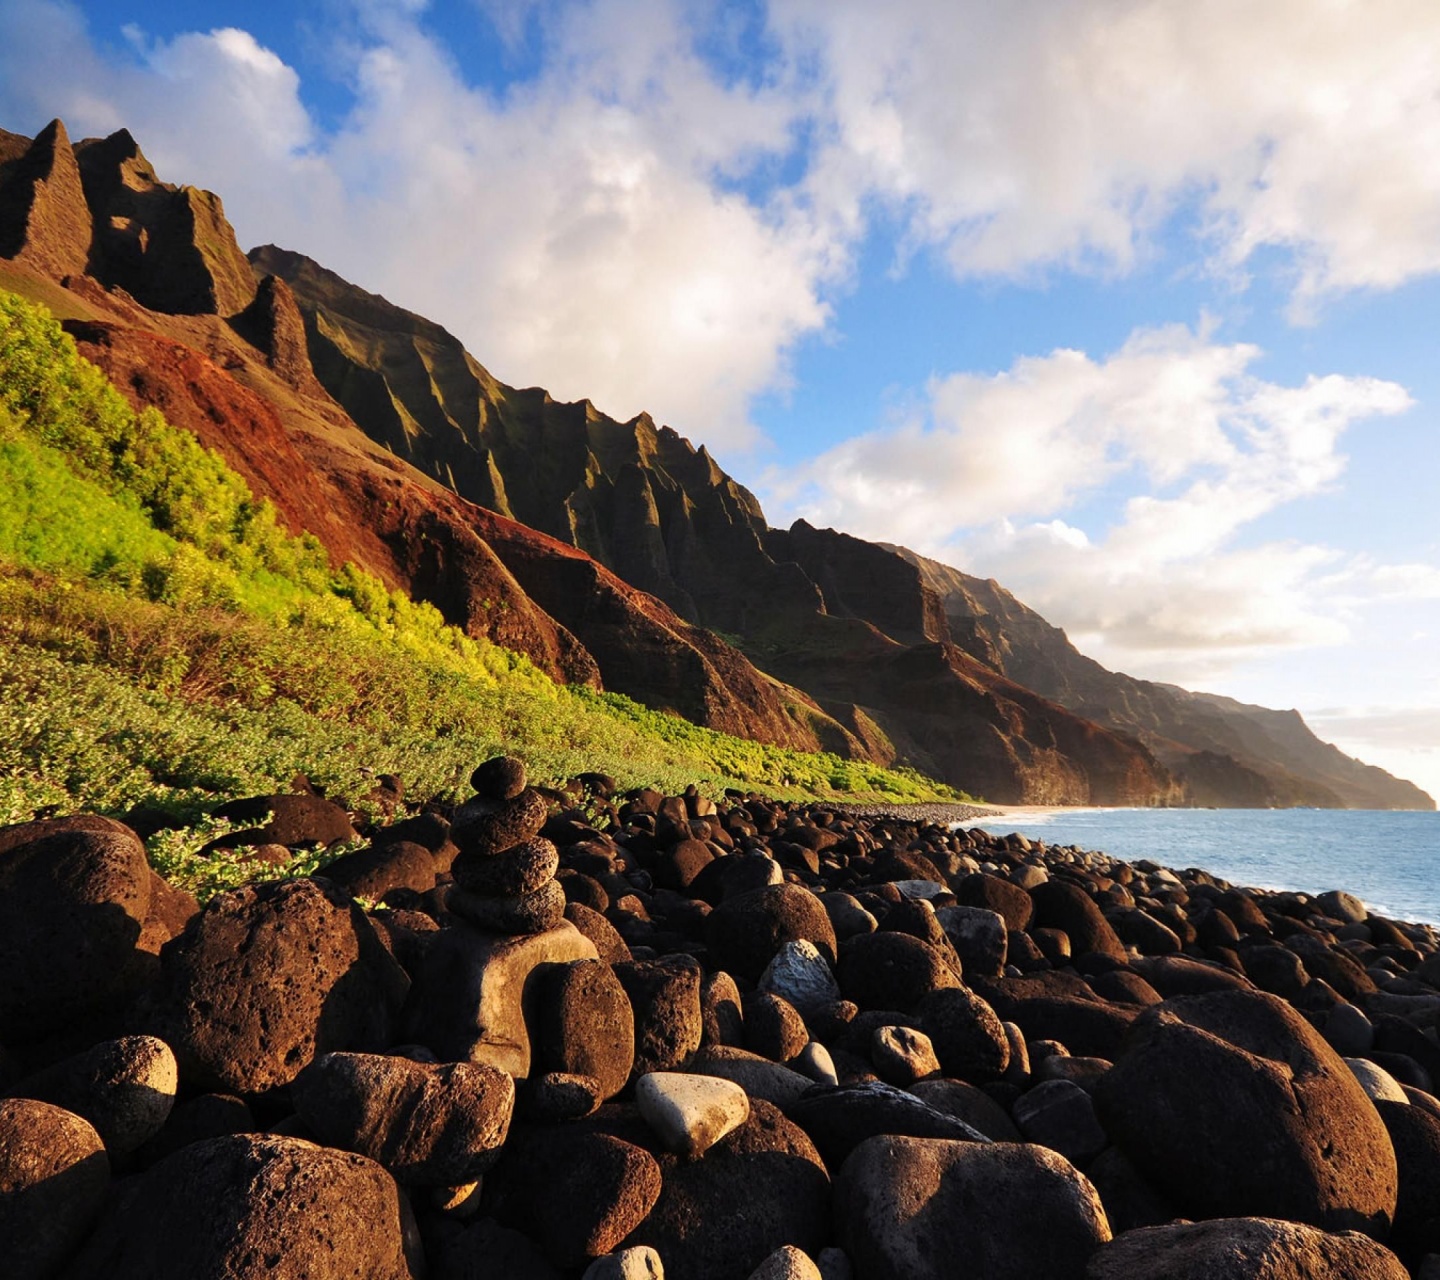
x,y
612,553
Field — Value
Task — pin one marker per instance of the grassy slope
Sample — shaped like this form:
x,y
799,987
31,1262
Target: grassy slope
x,y
162,642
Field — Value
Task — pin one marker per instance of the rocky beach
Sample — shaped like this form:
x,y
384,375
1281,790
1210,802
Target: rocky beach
x,y
549,1034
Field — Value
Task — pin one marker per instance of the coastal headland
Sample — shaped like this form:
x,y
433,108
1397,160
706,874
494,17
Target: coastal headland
x,y
579,1032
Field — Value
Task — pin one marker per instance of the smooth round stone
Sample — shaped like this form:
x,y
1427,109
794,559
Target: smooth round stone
x,y
528,913
639,1263
526,868
814,1060
499,778
800,974
1379,1084
1348,1031
690,1113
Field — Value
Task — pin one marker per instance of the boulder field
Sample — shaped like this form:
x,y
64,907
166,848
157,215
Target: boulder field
x,y
581,1035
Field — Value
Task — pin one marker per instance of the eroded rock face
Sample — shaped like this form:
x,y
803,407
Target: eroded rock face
x,y
251,1205
1243,1249
44,222
927,1209
268,977
1233,1105
429,1124
74,898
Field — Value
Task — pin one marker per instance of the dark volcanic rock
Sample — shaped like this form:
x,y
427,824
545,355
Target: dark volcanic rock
x,y
575,1192
1415,1134
430,1124
53,1179
268,977
665,996
839,1120
294,820
966,1032
526,867
892,971
482,826
125,1088
374,872
1233,1105
1061,905
921,1209
759,1187
247,1206
74,897
499,778
994,894
583,1024
1243,1249
746,931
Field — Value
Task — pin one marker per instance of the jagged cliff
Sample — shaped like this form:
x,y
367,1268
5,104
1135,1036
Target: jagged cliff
x,y
612,553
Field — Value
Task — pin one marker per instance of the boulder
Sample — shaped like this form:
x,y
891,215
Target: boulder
x,y
967,1103
582,1024
487,1251
746,932
372,873
1062,905
74,898
979,937
1059,1114
1009,901
926,1209
266,978
575,1192
892,971
721,1020
246,1205
499,778
1415,1134
799,974
758,1188
430,1124
968,1036
759,1077
603,935
773,1026
787,1263
639,1263
53,1180
472,992
903,1055
1232,1105
525,913
665,995
1243,1249
295,820
839,1120
125,1088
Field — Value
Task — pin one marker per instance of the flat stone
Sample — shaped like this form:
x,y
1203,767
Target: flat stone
x,y
523,913
472,989
690,1113
759,1077
526,868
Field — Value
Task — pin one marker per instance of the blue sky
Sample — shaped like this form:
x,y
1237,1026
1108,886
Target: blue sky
x,y
1130,305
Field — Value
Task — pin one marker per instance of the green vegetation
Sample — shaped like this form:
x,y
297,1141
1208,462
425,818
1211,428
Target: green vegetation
x,y
164,642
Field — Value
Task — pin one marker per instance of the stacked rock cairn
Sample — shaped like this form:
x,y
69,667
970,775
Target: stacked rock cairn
x,y
505,870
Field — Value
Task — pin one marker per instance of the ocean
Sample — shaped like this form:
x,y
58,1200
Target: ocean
x,y
1390,860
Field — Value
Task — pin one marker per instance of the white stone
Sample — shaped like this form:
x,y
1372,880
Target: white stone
x,y
690,1113
787,1263
926,889
1379,1084
800,974
639,1263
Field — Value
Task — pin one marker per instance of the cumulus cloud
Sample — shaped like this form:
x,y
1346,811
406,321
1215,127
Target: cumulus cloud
x,y
1003,475
1068,131
641,223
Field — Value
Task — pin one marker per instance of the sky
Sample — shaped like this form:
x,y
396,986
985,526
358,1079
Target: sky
x,y
1129,304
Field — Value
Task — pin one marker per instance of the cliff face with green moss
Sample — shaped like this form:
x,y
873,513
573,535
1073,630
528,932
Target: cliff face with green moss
x,y
614,554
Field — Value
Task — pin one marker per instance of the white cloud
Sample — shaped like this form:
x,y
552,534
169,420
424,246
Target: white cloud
x,y
584,228
1068,131
1173,435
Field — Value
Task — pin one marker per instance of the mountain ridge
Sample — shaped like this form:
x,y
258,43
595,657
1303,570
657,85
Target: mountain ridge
x,y
611,552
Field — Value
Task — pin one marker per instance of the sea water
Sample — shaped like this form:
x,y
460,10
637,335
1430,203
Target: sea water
x,y
1390,860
